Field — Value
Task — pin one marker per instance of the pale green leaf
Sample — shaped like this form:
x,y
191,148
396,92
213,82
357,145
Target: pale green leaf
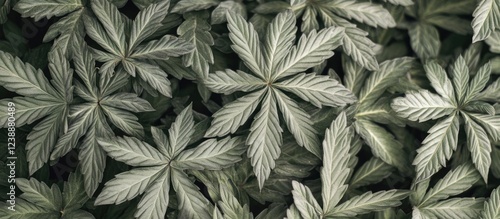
x,y
155,200
40,194
211,155
131,151
486,19
279,39
455,182
299,123
479,145
147,22
336,156
492,206
305,202
127,185
425,40
112,21
318,89
422,106
234,114
369,202
39,9
229,81
191,203
437,147
371,172
466,208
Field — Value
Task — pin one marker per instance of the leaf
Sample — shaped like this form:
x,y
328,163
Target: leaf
x,y
371,172
112,22
369,202
193,5
147,22
23,79
28,110
46,8
491,207
460,78
382,144
124,120
155,77
28,210
279,39
127,101
127,185
231,207
479,145
455,182
155,200
422,106
229,81
298,123
211,155
478,83
486,19
40,194
379,80
218,15
440,81
490,123
357,45
167,46
318,90
425,40
196,30
74,195
437,147
364,12
246,43
180,133
131,151
456,208
336,156
305,202
310,51
191,203
234,114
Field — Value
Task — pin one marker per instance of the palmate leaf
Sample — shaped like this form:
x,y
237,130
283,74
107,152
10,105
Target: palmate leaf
x,y
486,19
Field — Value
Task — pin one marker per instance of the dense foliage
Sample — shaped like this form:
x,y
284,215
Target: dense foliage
x,y
240,109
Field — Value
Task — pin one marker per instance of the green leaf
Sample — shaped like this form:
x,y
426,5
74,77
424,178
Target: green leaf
x,y
437,147
425,40
147,22
74,195
231,206
422,106
127,101
490,123
127,185
299,123
229,81
193,5
440,81
265,139
192,204
40,194
336,156
369,202
27,210
455,182
180,133
371,172
124,120
478,83
279,39
479,145
382,144
155,77
132,151
460,78
486,19
305,202
318,90
112,21
234,114
456,208
311,50
492,206
364,12
155,200
23,79
167,46
211,155
379,80
196,30
46,8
